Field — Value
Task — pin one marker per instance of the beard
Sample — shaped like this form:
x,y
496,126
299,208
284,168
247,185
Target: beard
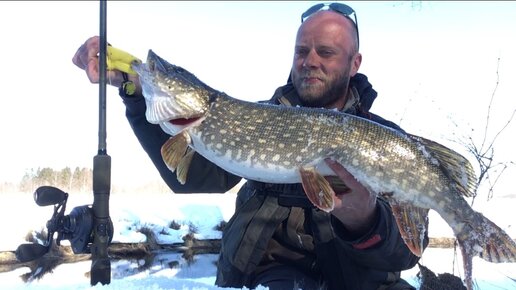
x,y
326,92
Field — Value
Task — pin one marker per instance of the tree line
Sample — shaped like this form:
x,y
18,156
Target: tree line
x,y
79,179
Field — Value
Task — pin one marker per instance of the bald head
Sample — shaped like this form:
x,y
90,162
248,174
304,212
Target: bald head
x,y
326,57
328,21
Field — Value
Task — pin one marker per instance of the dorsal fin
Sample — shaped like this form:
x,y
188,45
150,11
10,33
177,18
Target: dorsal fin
x,y
455,166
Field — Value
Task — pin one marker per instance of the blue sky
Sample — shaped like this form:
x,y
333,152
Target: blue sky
x,y
434,64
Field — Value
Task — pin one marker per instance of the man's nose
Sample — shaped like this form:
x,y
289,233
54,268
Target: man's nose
x,y
311,60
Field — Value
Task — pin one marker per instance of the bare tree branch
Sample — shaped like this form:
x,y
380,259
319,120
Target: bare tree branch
x,y
484,154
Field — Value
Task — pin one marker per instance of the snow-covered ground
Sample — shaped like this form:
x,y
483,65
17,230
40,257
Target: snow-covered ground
x,y
202,213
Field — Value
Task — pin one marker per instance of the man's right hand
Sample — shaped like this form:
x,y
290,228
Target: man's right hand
x,y
87,58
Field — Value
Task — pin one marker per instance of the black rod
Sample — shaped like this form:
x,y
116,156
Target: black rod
x,y
102,226
102,77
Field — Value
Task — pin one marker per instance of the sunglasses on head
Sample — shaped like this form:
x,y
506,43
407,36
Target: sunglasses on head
x,y
337,7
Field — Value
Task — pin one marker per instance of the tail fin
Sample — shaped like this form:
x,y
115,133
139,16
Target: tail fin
x,y
484,238
481,237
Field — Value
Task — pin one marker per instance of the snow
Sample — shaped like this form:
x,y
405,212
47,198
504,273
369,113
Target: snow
x,y
201,212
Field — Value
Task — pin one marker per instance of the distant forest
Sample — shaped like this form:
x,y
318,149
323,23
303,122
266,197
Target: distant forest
x,y
77,180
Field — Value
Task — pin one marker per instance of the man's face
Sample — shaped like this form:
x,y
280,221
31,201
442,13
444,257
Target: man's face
x,y
324,60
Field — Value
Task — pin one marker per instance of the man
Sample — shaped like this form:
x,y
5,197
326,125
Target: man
x,y
276,238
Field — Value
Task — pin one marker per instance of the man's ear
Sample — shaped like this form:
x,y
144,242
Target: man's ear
x,y
357,61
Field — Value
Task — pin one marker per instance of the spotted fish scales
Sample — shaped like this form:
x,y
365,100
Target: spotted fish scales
x,y
281,144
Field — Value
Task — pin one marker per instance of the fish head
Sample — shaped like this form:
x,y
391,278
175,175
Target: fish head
x,y
174,96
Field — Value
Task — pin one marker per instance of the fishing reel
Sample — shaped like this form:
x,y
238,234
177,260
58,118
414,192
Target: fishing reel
x,y
77,226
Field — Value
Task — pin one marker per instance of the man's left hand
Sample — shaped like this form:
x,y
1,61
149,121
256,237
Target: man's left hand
x,y
355,207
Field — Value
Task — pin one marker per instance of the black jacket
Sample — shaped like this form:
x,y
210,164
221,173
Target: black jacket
x,y
275,224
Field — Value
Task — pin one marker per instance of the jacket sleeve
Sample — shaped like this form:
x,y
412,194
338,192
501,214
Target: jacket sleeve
x,y
203,176
382,247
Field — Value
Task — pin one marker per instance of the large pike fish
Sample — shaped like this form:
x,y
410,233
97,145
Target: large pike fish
x,y
281,144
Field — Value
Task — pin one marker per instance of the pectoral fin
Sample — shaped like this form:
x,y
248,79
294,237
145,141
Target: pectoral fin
x,y
174,149
412,223
317,189
184,165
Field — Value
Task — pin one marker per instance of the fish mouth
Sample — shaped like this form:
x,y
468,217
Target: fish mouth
x,y
176,125
183,121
